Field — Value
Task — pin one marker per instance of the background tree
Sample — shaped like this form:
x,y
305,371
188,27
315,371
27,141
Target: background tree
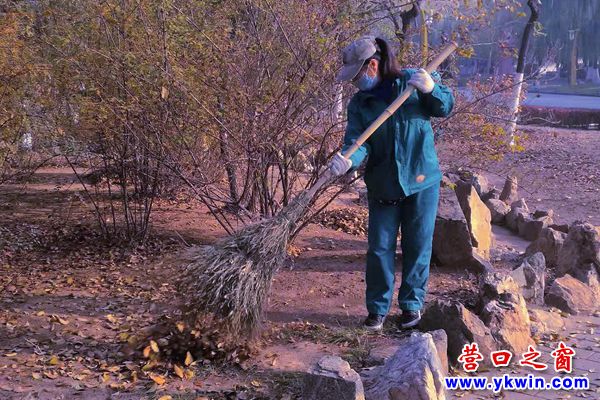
x,y
20,79
534,7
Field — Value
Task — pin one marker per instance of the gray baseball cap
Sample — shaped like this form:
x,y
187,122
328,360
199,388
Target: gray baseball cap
x,y
354,56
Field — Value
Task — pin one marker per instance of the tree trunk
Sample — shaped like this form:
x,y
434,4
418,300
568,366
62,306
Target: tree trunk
x,y
518,76
224,148
229,167
407,18
514,105
573,63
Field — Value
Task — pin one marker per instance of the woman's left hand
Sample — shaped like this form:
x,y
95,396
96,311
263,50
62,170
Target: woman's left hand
x,y
422,81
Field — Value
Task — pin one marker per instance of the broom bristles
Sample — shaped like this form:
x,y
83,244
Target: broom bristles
x,y
231,279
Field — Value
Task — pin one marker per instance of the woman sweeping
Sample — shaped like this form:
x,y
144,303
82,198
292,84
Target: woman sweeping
x,y
402,173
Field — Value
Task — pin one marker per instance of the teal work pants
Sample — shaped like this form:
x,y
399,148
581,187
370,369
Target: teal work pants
x,y
415,216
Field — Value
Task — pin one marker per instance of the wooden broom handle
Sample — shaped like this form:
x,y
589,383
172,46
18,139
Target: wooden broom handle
x,y
391,109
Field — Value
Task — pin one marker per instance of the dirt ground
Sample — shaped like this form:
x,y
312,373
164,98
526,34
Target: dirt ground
x,y
68,303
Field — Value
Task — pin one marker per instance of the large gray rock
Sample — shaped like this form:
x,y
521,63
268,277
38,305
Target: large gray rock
x,y
560,227
520,203
451,239
545,322
498,210
380,354
510,192
480,183
571,295
504,312
414,372
509,324
332,379
589,275
478,218
461,326
515,216
531,228
440,339
530,277
543,213
493,193
497,285
480,264
581,248
523,220
549,243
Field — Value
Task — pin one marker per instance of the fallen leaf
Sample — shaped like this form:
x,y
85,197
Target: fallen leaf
x,y
146,351
158,379
69,281
118,386
111,318
10,354
36,376
53,360
178,371
255,383
164,93
180,326
105,377
154,346
56,318
188,359
189,374
151,364
51,374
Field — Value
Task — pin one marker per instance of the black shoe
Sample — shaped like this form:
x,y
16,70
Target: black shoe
x,y
409,319
374,322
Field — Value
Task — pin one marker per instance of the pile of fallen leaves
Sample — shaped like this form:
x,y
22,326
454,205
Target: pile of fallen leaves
x,y
175,347
348,220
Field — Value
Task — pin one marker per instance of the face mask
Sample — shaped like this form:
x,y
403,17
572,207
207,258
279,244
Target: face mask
x,y
366,82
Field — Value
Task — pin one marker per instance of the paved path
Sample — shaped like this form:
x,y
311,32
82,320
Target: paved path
x,y
562,101
581,333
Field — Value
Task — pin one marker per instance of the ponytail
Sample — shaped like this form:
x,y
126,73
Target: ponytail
x,y
388,65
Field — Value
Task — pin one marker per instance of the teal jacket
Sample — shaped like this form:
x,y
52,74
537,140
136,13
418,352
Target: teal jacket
x,y
401,153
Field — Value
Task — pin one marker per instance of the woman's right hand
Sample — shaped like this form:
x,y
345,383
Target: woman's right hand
x,y
339,165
